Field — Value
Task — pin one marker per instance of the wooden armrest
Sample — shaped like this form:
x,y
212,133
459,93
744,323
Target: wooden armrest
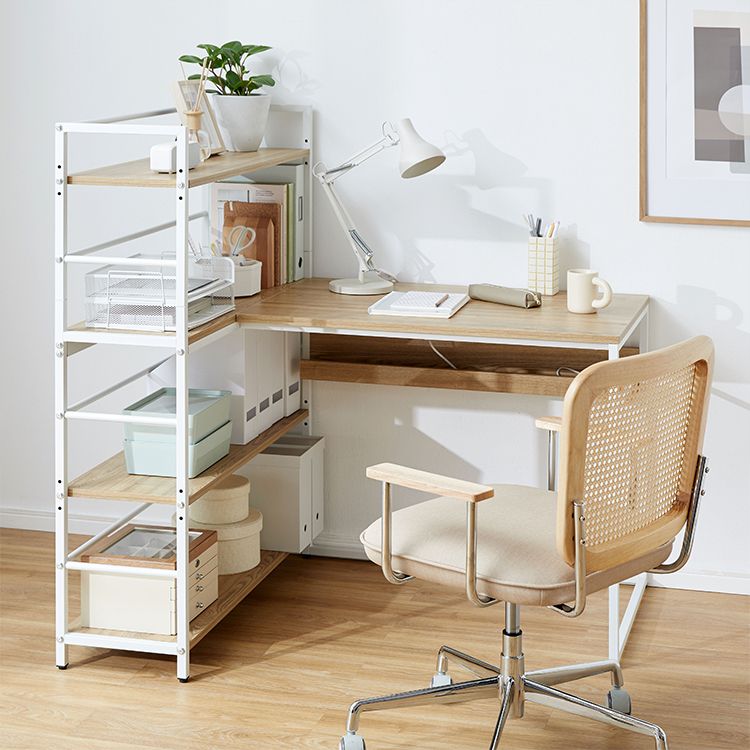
x,y
553,424
425,481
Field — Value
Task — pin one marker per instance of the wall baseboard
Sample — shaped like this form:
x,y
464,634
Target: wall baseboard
x,y
333,544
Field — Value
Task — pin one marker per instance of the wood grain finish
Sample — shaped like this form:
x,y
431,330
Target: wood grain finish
x,y
220,167
632,428
426,481
552,424
308,305
495,368
232,590
422,377
283,667
111,481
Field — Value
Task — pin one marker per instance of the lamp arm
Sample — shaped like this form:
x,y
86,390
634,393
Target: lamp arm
x,y
325,175
360,249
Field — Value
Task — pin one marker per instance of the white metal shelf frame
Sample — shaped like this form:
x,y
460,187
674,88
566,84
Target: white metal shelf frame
x,y
69,342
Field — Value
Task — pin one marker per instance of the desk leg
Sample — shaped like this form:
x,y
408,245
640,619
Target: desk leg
x,y
619,631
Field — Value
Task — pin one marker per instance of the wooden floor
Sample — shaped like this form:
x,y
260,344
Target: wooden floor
x,y
280,671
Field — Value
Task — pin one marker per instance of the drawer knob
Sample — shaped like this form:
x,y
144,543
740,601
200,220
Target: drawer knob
x,y
199,588
199,576
199,605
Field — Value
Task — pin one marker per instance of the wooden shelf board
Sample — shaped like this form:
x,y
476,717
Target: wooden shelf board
x,y
196,334
111,481
220,167
232,590
433,377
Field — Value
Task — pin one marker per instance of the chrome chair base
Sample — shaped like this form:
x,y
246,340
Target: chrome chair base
x,y
513,687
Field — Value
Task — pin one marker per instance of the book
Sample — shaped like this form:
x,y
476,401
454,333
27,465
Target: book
x,y
273,193
418,304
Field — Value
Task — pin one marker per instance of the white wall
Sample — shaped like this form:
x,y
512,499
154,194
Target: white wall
x,y
535,101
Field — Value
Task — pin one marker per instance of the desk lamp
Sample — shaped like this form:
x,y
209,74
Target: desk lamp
x,y
417,157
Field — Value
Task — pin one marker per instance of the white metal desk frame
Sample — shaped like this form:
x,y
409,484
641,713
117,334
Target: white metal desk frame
x,y
619,631
69,342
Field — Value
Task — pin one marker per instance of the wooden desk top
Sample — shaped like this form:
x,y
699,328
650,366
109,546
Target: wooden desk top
x,y
308,305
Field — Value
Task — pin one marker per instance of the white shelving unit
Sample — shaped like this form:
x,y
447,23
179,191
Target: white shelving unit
x,y
109,480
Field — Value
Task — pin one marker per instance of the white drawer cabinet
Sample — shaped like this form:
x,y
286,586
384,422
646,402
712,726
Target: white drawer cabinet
x,y
288,488
145,604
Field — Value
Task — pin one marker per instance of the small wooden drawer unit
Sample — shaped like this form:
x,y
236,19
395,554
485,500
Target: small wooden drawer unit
x,y
147,604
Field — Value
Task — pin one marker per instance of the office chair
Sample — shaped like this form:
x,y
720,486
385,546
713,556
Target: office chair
x,y
631,478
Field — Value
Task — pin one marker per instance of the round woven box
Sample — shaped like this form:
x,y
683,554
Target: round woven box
x,y
226,502
239,542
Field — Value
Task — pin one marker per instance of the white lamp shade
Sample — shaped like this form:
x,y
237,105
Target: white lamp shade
x,y
417,156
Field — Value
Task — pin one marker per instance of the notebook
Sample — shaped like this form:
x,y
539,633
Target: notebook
x,y
420,304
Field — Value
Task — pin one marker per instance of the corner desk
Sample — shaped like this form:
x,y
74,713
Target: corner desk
x,y
494,348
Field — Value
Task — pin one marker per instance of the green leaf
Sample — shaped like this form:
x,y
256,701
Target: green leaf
x,y
233,45
254,49
194,77
210,48
191,59
263,80
233,79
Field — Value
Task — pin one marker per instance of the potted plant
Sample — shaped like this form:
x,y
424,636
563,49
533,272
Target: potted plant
x,y
241,112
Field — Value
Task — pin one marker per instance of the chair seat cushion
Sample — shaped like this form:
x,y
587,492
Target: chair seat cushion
x,y
517,559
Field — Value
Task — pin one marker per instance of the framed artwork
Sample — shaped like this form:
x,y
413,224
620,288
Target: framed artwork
x,y
695,112
186,95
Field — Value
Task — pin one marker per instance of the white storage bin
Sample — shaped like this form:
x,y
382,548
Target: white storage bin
x,y
253,366
143,297
289,489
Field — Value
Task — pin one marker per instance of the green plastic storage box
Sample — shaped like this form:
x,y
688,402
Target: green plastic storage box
x,y
157,458
150,449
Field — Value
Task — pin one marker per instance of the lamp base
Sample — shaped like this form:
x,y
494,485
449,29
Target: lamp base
x,y
355,286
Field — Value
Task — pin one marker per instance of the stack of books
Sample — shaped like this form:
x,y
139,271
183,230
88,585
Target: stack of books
x,y
273,207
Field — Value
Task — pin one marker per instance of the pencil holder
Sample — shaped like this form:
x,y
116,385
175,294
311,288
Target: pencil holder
x,y
544,265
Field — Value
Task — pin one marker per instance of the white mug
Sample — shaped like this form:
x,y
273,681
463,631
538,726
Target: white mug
x,y
583,284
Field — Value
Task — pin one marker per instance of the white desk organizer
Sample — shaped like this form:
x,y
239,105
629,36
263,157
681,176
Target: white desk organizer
x,y
289,490
246,277
143,297
544,265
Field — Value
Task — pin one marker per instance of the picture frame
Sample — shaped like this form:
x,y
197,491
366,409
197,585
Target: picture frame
x,y
186,95
693,168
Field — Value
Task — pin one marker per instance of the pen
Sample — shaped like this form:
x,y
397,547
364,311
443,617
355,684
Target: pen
x,y
539,227
441,300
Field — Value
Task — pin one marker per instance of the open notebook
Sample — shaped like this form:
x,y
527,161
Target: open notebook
x,y
420,304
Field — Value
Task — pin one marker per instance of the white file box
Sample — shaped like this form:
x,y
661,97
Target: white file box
x,y
292,382
289,490
259,368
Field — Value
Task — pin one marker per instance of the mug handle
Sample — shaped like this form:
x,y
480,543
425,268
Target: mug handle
x,y
606,297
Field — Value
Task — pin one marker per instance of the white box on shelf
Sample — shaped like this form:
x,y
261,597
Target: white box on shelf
x,y
269,369
144,604
253,366
288,487
292,382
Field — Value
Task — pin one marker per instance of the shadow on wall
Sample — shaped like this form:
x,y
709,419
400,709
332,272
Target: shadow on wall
x,y
478,204
700,310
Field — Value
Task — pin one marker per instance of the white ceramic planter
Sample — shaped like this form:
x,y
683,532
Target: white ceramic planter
x,y
242,120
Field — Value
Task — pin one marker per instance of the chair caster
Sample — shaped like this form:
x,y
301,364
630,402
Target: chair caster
x,y
351,742
441,680
183,680
618,699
